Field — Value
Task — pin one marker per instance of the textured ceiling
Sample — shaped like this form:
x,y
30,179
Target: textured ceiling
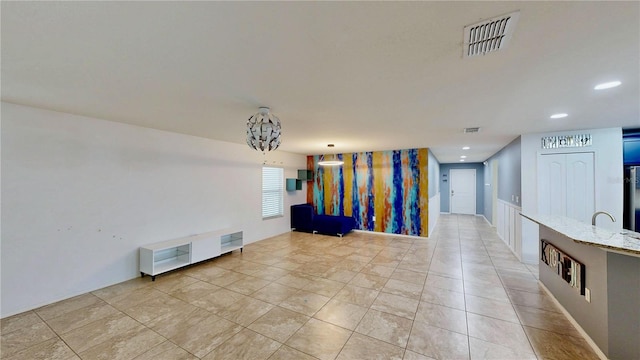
x,y
363,75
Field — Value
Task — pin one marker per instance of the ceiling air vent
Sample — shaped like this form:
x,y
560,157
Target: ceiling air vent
x,y
471,130
489,35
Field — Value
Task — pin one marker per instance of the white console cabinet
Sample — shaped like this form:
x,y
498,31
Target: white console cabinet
x,y
168,255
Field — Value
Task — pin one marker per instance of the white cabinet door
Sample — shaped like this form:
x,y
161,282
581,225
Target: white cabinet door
x,y
205,247
566,185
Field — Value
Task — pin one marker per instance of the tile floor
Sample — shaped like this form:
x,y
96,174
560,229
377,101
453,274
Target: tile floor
x,y
460,294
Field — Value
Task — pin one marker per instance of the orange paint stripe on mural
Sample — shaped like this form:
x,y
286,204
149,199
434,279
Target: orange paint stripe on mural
x,y
423,160
378,191
347,173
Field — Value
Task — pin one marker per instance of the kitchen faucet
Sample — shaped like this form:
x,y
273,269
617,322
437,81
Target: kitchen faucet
x,y
595,215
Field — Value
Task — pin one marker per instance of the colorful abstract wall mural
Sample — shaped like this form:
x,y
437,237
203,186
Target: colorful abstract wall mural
x,y
392,186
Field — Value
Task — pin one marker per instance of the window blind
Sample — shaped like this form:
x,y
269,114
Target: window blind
x,y
272,192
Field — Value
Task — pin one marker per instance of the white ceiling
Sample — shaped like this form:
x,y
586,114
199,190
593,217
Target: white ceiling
x,y
363,75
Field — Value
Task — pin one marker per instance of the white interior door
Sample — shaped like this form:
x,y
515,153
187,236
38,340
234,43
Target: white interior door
x,y
566,185
462,191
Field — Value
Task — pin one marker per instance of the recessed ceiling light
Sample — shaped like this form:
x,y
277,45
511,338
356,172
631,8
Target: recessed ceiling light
x,y
463,156
607,85
466,148
559,116
461,160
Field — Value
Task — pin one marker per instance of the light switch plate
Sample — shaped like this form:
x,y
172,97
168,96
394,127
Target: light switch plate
x,y
587,295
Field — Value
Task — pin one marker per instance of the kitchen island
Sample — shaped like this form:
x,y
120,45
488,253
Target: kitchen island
x,y
594,274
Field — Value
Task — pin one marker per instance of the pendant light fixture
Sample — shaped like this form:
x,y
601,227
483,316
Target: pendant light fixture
x,y
263,130
330,160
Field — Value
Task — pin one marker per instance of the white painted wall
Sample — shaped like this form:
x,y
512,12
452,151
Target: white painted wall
x,y
80,195
607,146
434,212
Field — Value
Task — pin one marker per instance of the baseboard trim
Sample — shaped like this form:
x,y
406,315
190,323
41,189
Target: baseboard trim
x,y
584,334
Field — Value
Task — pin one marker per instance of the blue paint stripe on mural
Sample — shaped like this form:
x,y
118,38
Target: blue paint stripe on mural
x,y
414,195
397,193
340,188
355,202
371,204
318,189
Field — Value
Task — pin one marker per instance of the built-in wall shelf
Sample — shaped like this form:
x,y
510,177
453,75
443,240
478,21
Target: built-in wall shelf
x,y
305,175
294,184
160,257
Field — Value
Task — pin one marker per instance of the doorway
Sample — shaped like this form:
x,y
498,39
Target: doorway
x,y
462,191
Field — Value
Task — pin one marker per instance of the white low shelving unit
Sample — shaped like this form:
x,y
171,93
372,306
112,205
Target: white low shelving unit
x,y
160,257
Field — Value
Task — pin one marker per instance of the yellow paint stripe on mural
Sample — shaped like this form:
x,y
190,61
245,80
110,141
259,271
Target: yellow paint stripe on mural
x,y
423,161
378,190
347,174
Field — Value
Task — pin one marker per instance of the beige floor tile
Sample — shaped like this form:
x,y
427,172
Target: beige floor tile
x,y
52,349
274,293
62,307
279,323
403,288
245,311
126,345
81,317
97,332
546,320
287,353
442,317
166,351
499,332
271,273
171,325
226,278
19,321
123,289
378,270
295,280
204,336
369,281
438,343
173,281
195,291
218,300
250,268
410,355
481,350
206,271
529,299
444,282
386,327
396,305
340,275
157,307
550,345
363,347
409,276
245,345
443,297
248,285
357,295
320,339
492,308
324,287
488,291
134,297
341,313
305,302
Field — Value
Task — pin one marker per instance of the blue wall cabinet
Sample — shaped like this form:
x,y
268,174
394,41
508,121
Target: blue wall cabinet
x,y
294,184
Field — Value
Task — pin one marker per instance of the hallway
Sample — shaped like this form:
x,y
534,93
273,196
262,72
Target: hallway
x,y
460,294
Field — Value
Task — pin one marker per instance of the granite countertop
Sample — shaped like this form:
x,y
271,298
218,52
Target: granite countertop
x,y
625,242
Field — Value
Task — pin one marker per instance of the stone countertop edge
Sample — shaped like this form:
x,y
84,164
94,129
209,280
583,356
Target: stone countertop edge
x,y
590,235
